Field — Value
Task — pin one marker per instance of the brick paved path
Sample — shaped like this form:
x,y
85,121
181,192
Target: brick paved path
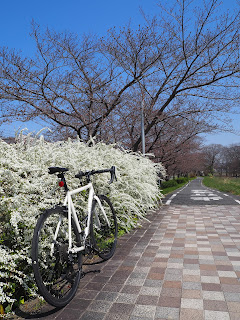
x,y
184,264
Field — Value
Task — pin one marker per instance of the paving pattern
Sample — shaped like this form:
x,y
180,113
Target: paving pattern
x,y
182,264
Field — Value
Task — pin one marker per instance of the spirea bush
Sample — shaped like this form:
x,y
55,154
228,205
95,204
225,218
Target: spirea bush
x,y
26,189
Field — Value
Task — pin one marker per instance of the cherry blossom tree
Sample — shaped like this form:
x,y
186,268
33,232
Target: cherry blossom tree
x,y
184,63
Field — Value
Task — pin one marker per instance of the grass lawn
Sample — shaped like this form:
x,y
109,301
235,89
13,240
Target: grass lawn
x,y
224,184
171,189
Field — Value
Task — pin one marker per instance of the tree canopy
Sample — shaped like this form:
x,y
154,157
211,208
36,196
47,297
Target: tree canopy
x,y
182,63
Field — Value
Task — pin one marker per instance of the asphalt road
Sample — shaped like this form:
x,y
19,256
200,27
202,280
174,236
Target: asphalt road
x,y
195,194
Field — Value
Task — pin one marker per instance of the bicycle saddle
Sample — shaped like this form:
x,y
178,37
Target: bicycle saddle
x,y
52,170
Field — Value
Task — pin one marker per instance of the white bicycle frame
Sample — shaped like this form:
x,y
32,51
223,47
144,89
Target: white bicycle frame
x,y
72,214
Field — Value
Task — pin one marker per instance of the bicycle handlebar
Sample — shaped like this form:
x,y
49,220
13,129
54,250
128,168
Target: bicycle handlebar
x,y
87,174
81,174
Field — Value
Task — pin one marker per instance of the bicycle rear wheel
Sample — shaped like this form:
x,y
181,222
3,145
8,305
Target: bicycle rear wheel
x,y
57,273
103,233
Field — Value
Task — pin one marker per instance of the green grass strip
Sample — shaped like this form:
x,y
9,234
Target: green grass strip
x,y
178,186
223,184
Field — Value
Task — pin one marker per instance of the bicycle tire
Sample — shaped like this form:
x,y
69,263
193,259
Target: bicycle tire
x,y
104,238
57,274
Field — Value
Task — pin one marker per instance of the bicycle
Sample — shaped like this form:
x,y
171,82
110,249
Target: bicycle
x,y
60,239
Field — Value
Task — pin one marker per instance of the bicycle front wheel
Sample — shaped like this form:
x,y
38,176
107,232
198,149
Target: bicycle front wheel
x,y
57,273
103,227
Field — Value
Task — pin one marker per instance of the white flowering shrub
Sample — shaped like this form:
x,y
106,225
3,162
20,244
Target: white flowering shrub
x,y
26,189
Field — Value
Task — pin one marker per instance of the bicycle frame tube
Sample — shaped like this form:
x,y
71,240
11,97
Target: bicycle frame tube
x,y
55,235
71,212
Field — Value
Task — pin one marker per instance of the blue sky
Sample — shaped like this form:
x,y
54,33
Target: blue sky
x,y
79,16
73,15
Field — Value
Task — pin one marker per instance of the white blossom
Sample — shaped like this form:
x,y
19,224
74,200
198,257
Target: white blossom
x,y
26,189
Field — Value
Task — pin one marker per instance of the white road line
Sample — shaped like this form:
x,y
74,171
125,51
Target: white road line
x,y
170,199
174,195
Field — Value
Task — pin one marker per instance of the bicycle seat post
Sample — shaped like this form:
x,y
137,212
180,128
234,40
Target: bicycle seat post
x,y
62,177
88,178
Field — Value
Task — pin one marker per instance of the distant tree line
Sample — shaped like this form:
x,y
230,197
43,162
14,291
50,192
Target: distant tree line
x,y
222,160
